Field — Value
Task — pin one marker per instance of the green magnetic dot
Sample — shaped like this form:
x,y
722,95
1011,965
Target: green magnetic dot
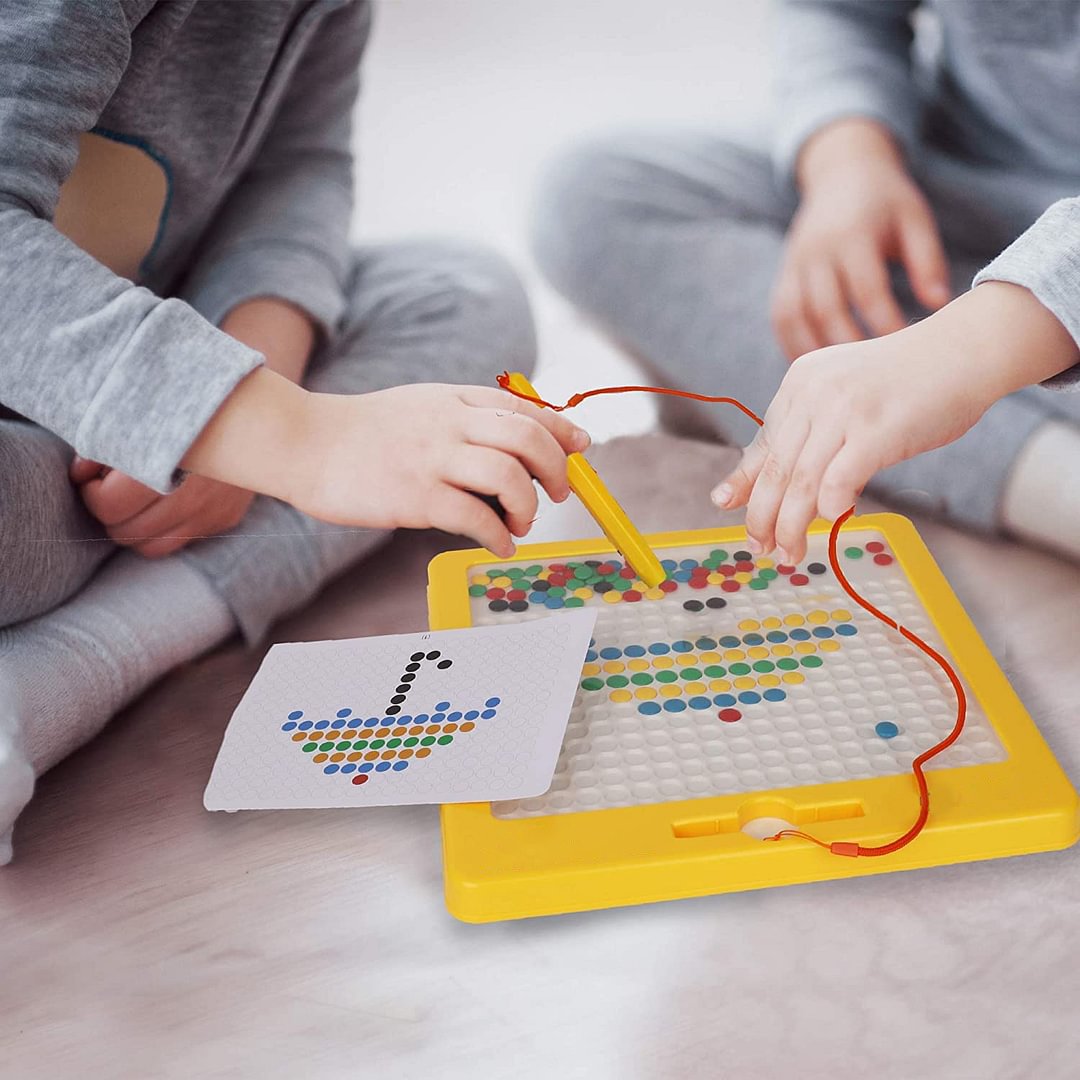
x,y
574,601
444,739
377,744
690,673
853,552
515,572
715,671
617,682
787,664
592,684
344,745
739,669
764,666
719,554
641,678
495,573
427,740
759,583
556,590
623,584
666,676
326,746
768,573
308,747
412,740
811,661
582,573
532,571
360,744
393,744
477,590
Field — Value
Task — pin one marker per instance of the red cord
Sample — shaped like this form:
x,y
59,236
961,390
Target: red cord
x,y
839,847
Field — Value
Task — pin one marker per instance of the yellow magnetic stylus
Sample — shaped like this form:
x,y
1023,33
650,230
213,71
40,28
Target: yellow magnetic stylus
x,y
609,515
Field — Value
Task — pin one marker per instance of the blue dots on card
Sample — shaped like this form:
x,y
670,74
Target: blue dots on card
x,y
699,703
776,636
633,651
682,646
822,631
348,768
800,635
382,766
289,725
442,706
487,714
400,766
724,701
753,639
774,695
674,705
296,714
472,714
492,702
322,725
365,768
886,729
846,630
659,648
648,708
331,769
307,725
342,713
611,653
590,656
749,697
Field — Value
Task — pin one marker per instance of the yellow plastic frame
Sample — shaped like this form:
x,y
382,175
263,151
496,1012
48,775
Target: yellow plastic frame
x,y
508,869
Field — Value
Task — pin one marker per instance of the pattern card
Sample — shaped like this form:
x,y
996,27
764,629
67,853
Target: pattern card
x,y
450,716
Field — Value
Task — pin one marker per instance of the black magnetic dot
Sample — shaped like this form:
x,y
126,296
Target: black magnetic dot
x,y
444,664
541,586
417,656
393,710
498,605
816,568
412,667
434,654
603,586
408,676
693,605
516,605
742,556
716,602
592,562
403,689
397,699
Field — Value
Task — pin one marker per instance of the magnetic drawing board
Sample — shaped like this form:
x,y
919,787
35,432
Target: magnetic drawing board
x,y
740,692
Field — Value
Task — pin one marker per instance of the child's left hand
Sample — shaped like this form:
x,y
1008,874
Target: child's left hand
x,y
156,525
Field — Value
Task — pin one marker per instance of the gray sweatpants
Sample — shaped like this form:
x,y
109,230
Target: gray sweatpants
x,y
672,242
417,312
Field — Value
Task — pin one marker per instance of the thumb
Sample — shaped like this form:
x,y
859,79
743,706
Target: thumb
x,y
923,256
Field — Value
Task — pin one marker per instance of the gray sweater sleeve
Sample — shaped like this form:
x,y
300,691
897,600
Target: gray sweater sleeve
x,y
837,59
1046,260
125,377
284,230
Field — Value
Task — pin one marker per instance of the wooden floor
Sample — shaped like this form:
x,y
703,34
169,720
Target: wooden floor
x,y
144,937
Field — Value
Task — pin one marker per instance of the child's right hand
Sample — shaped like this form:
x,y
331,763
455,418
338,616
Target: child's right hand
x,y
860,210
404,457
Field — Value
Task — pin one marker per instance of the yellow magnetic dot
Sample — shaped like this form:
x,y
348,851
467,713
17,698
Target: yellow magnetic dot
x,y
583,593
620,695
744,576
639,585
502,582
354,756
654,594
543,575
332,735
637,664
591,669
320,758
479,579
695,688
768,680
794,619
686,659
744,682
715,579
757,652
719,686
645,693
781,650
663,662
670,690
749,624
710,658
828,646
612,597
793,677
734,654
339,756
841,614
765,564
771,623
382,732
818,617
614,667
301,736
805,647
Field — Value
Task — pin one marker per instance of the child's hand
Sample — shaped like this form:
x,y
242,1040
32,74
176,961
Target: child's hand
x,y
860,210
846,411
153,524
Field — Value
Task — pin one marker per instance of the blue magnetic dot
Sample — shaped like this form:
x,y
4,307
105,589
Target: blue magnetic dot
x,y
590,656
307,725
614,564
776,636
887,729
611,653
823,631
331,769
800,635
699,703
553,602
774,695
753,639
681,575
682,646
749,697
675,705
366,767
454,717
372,721
472,714
422,718
288,726
382,766
633,650
659,648
322,725
348,768
730,642
296,714
438,717
688,564
846,629
648,708
492,702
399,765
342,713
725,701
441,705
487,714
403,719
537,597
668,564
705,643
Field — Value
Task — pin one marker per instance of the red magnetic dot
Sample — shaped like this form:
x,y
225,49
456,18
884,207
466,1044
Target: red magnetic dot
x,y
743,566
799,579
783,568
729,716
631,595
730,585
875,546
557,579
495,593
727,570
516,594
698,583
627,573
605,568
557,568
361,778
883,560
669,585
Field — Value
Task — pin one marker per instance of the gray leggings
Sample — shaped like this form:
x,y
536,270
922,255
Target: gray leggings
x,y
417,312
672,241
